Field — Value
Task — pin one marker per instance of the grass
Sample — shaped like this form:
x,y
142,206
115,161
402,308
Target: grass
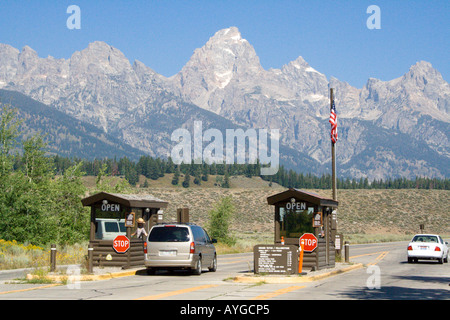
x,y
245,242
14,255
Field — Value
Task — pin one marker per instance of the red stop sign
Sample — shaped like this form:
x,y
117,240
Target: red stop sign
x,y
310,242
121,244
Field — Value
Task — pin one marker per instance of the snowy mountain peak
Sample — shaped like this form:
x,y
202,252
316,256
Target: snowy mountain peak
x,y
421,66
224,57
422,73
299,65
228,34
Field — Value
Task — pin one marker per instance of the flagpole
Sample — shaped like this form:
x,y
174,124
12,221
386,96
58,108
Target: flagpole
x,y
333,154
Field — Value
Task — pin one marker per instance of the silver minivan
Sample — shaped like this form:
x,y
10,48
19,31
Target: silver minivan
x,y
179,246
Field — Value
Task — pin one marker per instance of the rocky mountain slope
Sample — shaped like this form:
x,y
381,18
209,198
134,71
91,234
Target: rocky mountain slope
x,y
65,135
387,128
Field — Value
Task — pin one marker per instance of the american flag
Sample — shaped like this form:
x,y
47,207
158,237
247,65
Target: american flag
x,y
333,121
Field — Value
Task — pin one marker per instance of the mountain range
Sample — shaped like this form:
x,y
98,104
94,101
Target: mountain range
x,y
390,128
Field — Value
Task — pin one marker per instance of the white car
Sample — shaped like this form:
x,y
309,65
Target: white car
x,y
427,246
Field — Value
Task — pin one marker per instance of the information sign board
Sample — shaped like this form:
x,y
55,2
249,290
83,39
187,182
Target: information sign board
x,y
275,259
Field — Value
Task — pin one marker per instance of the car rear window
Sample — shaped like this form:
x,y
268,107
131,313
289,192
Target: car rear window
x,y
169,234
425,239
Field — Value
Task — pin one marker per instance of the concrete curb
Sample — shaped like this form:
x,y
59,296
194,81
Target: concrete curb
x,y
250,278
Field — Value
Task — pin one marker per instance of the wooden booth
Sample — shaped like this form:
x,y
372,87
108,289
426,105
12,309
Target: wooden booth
x,y
298,212
115,214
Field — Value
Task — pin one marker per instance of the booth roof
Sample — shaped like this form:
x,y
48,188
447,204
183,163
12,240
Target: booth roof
x,y
128,200
303,196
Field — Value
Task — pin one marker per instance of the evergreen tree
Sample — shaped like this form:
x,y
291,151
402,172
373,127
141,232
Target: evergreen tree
x,y
226,180
131,175
170,167
205,172
197,180
152,169
187,180
176,176
9,131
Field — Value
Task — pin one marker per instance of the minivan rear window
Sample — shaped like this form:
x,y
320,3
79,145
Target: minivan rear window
x,y
169,234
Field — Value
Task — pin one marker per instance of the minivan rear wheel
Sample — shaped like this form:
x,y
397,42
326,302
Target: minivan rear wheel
x,y
213,267
198,267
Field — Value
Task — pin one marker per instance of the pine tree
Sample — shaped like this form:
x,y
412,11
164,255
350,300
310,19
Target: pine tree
x,y
187,180
226,180
176,177
205,172
153,170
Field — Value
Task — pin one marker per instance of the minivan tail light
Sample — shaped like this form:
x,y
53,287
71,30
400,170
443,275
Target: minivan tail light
x,y
192,248
437,249
145,247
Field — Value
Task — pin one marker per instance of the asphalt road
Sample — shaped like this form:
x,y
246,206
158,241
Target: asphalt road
x,y
386,275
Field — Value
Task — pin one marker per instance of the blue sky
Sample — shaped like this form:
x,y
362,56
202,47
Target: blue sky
x,y
331,36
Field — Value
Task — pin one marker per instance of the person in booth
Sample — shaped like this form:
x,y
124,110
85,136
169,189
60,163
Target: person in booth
x,y
140,231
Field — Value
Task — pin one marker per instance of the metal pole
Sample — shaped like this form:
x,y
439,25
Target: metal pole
x,y
53,258
347,253
333,153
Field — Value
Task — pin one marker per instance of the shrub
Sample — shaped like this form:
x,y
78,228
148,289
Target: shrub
x,y
219,221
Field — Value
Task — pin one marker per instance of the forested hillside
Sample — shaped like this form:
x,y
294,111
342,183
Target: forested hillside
x,y
185,174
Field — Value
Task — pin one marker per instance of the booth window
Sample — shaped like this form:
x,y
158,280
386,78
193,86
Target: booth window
x,y
114,226
294,223
109,224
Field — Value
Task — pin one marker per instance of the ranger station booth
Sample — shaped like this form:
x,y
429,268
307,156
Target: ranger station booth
x,y
118,214
298,212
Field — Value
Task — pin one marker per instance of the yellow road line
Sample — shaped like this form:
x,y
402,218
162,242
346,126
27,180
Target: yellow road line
x,y
29,289
276,293
379,258
366,254
177,292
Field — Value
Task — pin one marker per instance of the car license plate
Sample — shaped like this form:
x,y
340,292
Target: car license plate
x,y
168,253
423,247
